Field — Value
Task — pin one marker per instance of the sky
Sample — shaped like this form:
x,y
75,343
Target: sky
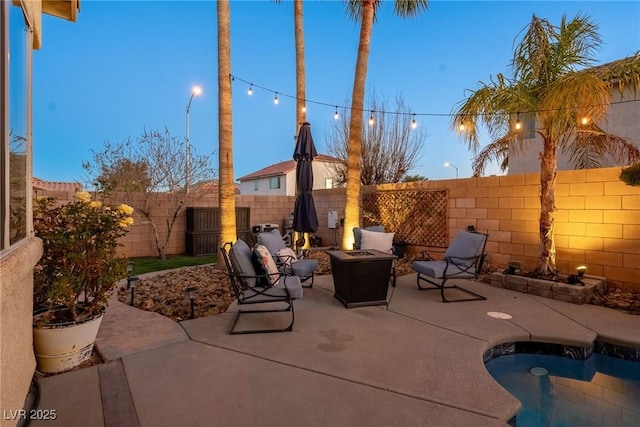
x,y
127,66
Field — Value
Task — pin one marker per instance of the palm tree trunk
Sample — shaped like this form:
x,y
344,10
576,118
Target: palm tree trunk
x,y
548,166
354,155
226,188
301,116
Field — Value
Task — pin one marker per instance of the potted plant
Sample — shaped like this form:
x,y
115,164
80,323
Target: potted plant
x,y
78,270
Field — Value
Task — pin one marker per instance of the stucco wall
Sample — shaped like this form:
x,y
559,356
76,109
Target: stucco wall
x,y
17,362
623,119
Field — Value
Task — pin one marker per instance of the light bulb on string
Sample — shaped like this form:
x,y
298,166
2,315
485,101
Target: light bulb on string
x,y
250,91
336,116
461,128
304,108
584,121
371,121
275,99
518,122
414,124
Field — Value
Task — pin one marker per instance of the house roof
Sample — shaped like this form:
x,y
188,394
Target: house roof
x,y
39,184
283,167
211,186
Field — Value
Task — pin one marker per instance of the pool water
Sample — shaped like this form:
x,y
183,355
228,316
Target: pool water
x,y
557,391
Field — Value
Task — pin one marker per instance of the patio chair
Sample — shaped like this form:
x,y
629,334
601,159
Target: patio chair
x,y
286,259
462,260
247,290
357,245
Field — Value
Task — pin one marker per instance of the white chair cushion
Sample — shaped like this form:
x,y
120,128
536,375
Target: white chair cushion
x,y
382,242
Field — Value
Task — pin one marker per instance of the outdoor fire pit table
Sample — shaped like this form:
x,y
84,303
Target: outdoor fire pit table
x,y
361,277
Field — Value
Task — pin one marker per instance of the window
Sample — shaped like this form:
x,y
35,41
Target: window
x,y
274,182
256,185
14,141
328,183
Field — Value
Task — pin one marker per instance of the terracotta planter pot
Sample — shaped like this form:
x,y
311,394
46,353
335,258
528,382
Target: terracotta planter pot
x,y
60,347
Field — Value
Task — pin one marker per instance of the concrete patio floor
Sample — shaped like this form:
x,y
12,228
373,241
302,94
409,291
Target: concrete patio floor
x,y
416,362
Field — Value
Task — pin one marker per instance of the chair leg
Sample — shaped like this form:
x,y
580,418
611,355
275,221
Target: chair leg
x,y
288,328
442,287
310,285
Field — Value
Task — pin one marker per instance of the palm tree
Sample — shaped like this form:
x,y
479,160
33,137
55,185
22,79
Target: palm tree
x,y
226,188
363,11
298,28
555,83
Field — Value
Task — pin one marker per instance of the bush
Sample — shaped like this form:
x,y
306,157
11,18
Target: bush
x,y
631,175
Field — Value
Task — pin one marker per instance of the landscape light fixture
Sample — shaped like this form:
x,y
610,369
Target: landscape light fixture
x,y
447,164
196,90
581,270
192,298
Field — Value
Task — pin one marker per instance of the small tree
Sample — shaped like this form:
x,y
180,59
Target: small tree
x,y
150,175
390,147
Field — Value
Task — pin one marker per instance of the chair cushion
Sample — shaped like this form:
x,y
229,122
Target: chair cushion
x,y
264,264
272,240
287,256
291,283
242,263
382,242
357,234
303,268
435,269
465,245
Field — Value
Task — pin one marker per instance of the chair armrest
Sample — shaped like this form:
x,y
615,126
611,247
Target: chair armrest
x,y
426,255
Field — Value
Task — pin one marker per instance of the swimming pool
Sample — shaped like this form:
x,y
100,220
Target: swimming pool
x,y
558,391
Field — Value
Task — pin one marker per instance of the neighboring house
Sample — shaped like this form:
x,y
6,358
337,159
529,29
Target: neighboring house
x,y
623,119
20,34
210,187
52,187
280,179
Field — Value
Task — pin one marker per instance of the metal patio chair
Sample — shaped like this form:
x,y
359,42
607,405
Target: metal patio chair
x,y
247,290
288,264
462,260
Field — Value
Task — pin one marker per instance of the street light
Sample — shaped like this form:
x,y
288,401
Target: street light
x,y
196,90
447,164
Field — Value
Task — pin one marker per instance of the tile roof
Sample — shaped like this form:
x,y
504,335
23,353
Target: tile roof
x,y
39,184
282,168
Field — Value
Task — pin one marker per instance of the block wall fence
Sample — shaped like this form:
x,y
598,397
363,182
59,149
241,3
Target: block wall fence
x,y
597,220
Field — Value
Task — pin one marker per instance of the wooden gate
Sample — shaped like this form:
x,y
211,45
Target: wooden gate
x,y
203,229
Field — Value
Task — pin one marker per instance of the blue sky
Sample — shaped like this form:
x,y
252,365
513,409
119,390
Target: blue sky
x,y
126,66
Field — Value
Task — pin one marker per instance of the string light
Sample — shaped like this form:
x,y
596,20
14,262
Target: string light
x,y
518,123
371,121
461,128
304,108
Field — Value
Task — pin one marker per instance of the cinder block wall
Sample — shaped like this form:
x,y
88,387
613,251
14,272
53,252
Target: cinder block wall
x,y
597,219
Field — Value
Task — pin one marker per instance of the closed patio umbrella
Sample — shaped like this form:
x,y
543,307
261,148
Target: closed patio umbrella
x,y
305,219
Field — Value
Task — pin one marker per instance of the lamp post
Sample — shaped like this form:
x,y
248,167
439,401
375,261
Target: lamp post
x,y
196,90
447,164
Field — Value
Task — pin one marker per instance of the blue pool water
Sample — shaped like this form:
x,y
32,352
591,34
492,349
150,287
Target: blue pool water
x,y
560,392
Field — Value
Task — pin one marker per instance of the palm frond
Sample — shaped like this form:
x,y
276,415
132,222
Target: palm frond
x,y
406,8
